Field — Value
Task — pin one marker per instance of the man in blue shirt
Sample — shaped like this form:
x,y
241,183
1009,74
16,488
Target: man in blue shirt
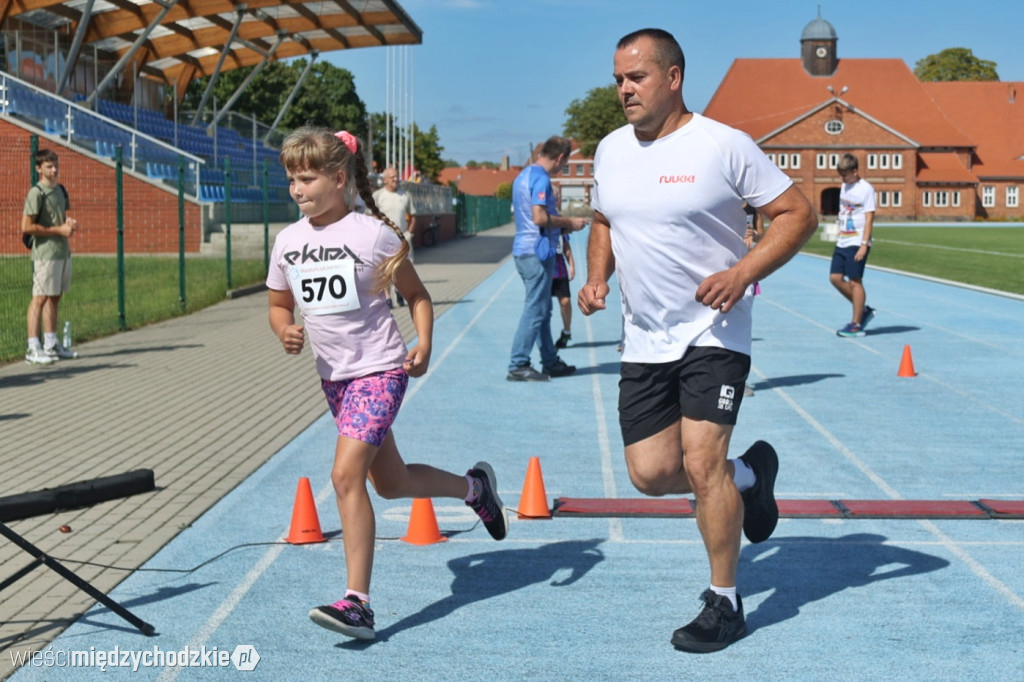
x,y
537,221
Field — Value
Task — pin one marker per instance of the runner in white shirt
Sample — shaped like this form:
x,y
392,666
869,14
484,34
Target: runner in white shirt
x,y
334,265
669,223
853,245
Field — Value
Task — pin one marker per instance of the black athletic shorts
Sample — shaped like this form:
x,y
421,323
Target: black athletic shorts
x,y
706,384
560,287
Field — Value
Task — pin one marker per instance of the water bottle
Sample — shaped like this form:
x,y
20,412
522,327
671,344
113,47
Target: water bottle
x,y
67,335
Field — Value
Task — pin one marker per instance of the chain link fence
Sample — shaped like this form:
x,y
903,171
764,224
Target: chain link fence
x,y
147,249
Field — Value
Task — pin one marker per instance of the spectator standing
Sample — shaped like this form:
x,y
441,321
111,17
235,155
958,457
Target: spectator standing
x,y
46,222
565,272
538,228
396,205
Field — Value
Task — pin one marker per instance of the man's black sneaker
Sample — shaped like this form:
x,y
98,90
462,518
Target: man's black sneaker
x,y
563,340
526,373
559,369
760,512
488,505
715,627
348,616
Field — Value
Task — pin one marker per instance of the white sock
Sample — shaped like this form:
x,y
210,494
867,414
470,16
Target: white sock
x,y
474,489
744,477
729,593
49,339
33,344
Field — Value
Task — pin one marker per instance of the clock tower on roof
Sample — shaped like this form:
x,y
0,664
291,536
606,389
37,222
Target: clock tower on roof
x,y
818,47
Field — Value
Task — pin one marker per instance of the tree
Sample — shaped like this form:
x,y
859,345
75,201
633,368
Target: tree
x,y
503,190
593,117
327,98
426,146
955,64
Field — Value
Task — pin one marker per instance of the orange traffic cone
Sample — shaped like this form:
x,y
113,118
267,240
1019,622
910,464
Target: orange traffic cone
x,y
533,503
907,364
305,522
423,528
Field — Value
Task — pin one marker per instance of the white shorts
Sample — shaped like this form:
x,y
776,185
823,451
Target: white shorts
x,y
51,277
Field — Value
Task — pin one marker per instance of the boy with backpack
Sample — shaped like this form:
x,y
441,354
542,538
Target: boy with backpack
x,y
45,226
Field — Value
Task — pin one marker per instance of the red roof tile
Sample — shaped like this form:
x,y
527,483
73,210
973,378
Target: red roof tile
x,y
943,167
760,96
992,113
480,182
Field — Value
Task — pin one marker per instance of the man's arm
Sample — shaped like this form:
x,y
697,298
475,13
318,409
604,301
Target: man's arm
x,y
600,266
543,219
31,227
793,220
869,223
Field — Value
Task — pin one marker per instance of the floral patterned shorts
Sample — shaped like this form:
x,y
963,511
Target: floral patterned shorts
x,y
364,408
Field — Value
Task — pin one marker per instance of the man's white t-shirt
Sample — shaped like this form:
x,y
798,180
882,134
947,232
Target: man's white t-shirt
x,y
331,272
395,205
854,201
675,206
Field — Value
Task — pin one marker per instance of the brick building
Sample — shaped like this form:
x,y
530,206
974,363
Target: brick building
x,y
933,151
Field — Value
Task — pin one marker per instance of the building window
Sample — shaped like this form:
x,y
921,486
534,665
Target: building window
x,y
833,160
821,161
883,199
783,161
926,198
988,196
897,198
1012,197
956,198
897,161
579,169
941,198
834,127
565,170
794,161
883,162
872,161
771,157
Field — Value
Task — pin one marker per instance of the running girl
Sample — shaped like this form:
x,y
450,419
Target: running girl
x,y
335,264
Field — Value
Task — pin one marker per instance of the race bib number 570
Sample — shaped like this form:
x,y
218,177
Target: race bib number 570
x,y
324,288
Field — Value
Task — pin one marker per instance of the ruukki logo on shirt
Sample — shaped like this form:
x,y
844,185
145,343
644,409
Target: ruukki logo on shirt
x,y
673,179
320,254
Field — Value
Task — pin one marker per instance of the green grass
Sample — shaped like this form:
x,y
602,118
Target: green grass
x,y
151,286
990,257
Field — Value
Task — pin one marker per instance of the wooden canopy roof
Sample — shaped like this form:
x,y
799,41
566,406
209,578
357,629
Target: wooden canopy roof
x,y
188,40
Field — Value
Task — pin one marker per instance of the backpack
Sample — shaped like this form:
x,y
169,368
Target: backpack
x,y
29,240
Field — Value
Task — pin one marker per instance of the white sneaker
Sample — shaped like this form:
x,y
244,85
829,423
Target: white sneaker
x,y
37,356
59,352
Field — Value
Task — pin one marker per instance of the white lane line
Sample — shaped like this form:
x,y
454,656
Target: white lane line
x,y
951,545
835,442
226,607
1017,419
949,248
615,530
976,567
434,364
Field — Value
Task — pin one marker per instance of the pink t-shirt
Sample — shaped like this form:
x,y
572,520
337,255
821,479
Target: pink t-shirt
x,y
331,272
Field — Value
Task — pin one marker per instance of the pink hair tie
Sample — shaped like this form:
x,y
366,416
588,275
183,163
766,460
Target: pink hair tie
x,y
348,139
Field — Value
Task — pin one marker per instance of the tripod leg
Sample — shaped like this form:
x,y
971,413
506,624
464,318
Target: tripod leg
x,y
41,557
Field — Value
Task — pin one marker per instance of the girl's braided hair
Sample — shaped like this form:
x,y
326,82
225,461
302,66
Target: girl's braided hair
x,y
319,149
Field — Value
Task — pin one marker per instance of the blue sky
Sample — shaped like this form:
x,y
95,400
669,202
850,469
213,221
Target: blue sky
x,y
495,76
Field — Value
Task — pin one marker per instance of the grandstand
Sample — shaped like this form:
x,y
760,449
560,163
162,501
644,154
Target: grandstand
x,y
108,76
